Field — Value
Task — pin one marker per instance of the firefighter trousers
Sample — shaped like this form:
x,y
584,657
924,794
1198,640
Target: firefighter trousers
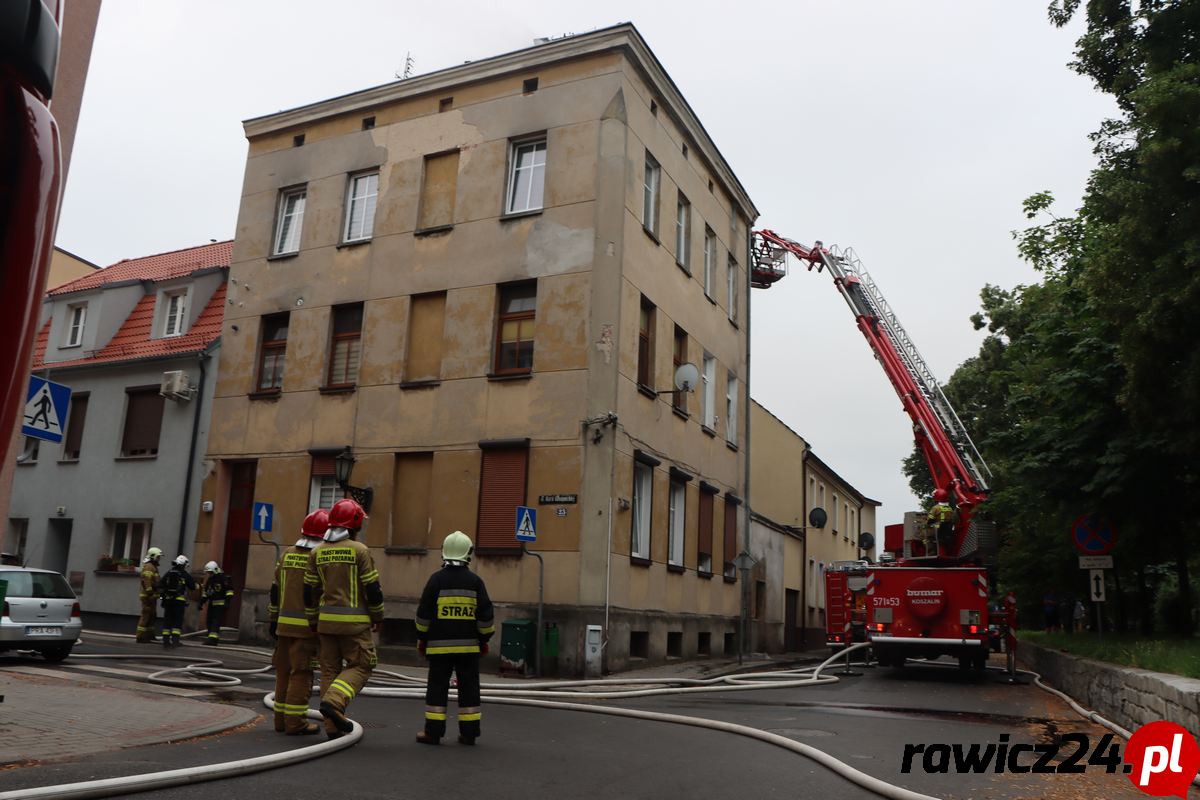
x,y
216,613
293,662
437,693
145,625
173,620
346,664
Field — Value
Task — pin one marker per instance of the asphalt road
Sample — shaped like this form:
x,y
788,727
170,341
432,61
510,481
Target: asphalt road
x,y
534,753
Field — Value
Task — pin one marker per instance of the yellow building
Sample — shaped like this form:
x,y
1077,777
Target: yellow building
x,y
481,281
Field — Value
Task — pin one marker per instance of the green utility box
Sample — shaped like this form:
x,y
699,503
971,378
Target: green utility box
x,y
3,591
550,640
516,645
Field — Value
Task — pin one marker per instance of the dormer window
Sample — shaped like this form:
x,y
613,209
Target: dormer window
x,y
174,319
76,315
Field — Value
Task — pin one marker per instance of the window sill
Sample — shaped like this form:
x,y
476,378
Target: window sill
x,y
684,268
425,384
499,551
75,346
647,391
68,461
434,230
678,568
532,212
117,573
516,376
710,298
405,550
731,445
679,412
639,561
653,236
283,256
709,431
705,575
337,389
266,394
728,579
735,325
32,463
355,243
136,458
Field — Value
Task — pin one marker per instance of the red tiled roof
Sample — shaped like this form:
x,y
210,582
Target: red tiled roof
x,y
160,267
133,342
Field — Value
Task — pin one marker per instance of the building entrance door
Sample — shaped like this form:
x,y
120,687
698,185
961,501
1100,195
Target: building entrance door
x,y
58,545
237,532
791,633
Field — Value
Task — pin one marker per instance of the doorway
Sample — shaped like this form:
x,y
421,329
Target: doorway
x,y
237,533
58,545
791,633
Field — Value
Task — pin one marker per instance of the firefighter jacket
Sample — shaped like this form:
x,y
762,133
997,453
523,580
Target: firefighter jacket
x,y
939,514
149,580
218,589
175,585
342,587
286,608
455,614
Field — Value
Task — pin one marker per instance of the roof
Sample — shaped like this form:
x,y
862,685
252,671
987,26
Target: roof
x,y
159,267
132,341
833,474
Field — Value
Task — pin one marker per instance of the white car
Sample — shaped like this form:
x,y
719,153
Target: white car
x,y
41,612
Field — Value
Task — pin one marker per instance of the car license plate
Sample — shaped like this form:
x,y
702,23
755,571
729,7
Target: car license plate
x,y
42,630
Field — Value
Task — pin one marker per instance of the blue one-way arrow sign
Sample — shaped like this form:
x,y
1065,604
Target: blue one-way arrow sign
x,y
526,524
264,513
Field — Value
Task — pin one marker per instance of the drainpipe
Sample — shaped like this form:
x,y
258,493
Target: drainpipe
x,y
748,412
802,612
191,461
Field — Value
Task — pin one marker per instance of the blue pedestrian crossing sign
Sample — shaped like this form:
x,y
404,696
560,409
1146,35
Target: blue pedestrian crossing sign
x,y
45,413
264,515
526,524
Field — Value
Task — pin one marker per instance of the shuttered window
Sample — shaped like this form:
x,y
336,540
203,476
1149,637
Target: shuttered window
x,y
72,445
143,422
438,191
730,548
645,362
410,506
346,349
704,538
501,490
425,325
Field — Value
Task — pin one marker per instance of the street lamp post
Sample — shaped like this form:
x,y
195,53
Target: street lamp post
x,y
343,466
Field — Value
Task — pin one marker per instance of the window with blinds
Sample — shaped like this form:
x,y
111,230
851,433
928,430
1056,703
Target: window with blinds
x,y
324,490
73,442
730,544
501,489
705,534
345,352
143,422
517,323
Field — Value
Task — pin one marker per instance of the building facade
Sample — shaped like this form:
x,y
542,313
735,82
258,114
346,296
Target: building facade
x,y
127,474
482,282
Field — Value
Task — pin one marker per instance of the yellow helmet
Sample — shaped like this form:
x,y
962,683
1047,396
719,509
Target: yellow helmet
x,y
457,547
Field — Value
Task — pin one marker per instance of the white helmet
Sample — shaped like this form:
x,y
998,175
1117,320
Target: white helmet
x,y
181,561
212,567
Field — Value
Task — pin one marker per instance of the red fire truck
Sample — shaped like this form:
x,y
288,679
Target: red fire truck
x,y
930,596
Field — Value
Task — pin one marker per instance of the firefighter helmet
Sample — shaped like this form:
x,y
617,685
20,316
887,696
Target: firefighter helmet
x,y
457,547
940,495
346,514
212,567
315,524
181,561
153,554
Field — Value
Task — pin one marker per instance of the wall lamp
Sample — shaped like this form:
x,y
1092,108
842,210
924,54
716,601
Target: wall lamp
x,y
343,467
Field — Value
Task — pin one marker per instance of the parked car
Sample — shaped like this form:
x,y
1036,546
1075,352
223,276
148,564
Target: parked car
x,y
41,613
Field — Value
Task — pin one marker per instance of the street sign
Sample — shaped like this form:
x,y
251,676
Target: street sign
x,y
264,516
45,414
526,524
1093,535
1096,585
1095,562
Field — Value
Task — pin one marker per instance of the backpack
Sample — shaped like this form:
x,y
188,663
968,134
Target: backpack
x,y
172,585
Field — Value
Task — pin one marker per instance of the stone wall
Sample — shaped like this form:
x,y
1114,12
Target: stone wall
x,y
1128,696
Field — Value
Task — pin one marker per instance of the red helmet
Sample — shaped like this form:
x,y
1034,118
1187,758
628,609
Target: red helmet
x,y
346,514
940,495
315,524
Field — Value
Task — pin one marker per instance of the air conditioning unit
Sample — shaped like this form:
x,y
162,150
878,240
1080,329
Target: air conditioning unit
x,y
176,386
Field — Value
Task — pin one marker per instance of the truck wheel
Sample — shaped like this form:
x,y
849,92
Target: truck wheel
x,y
56,652
979,662
964,663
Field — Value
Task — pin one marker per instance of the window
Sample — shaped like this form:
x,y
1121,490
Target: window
x,y
346,349
710,259
18,536
130,538
73,442
29,453
501,489
812,493
821,501
760,599
709,379
683,231
679,358
76,315
290,220
368,123
733,294
360,207
529,86
676,516
730,543
426,319
833,514
650,196
323,488
438,191
411,500
731,419
643,501
143,422
846,520
821,584
175,316
298,140
645,363
272,352
445,104
705,534
515,328
526,176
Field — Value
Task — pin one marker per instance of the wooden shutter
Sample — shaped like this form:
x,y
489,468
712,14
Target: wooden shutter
x,y
704,540
75,422
730,549
143,422
323,465
426,322
410,504
501,490
438,191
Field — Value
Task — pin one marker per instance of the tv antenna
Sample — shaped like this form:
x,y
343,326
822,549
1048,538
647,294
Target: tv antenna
x,y
409,63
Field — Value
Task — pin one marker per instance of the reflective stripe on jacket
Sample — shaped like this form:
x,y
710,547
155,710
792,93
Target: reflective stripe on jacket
x,y
339,572
290,615
149,586
455,613
218,588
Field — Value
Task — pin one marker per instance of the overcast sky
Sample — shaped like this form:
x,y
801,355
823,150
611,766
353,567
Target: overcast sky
x,y
908,129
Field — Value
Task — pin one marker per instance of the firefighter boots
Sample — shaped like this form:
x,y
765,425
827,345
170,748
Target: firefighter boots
x,y
335,715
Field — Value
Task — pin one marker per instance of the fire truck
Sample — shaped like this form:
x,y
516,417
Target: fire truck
x,y
928,596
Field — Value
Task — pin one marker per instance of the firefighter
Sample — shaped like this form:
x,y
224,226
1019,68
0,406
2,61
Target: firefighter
x,y
940,522
454,623
295,643
218,593
147,594
342,592
174,588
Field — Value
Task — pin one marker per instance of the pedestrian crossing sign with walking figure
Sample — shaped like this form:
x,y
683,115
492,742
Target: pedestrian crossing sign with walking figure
x,y
45,413
526,524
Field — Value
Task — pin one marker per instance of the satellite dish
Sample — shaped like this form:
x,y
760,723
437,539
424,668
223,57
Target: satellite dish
x,y
866,540
817,517
686,377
